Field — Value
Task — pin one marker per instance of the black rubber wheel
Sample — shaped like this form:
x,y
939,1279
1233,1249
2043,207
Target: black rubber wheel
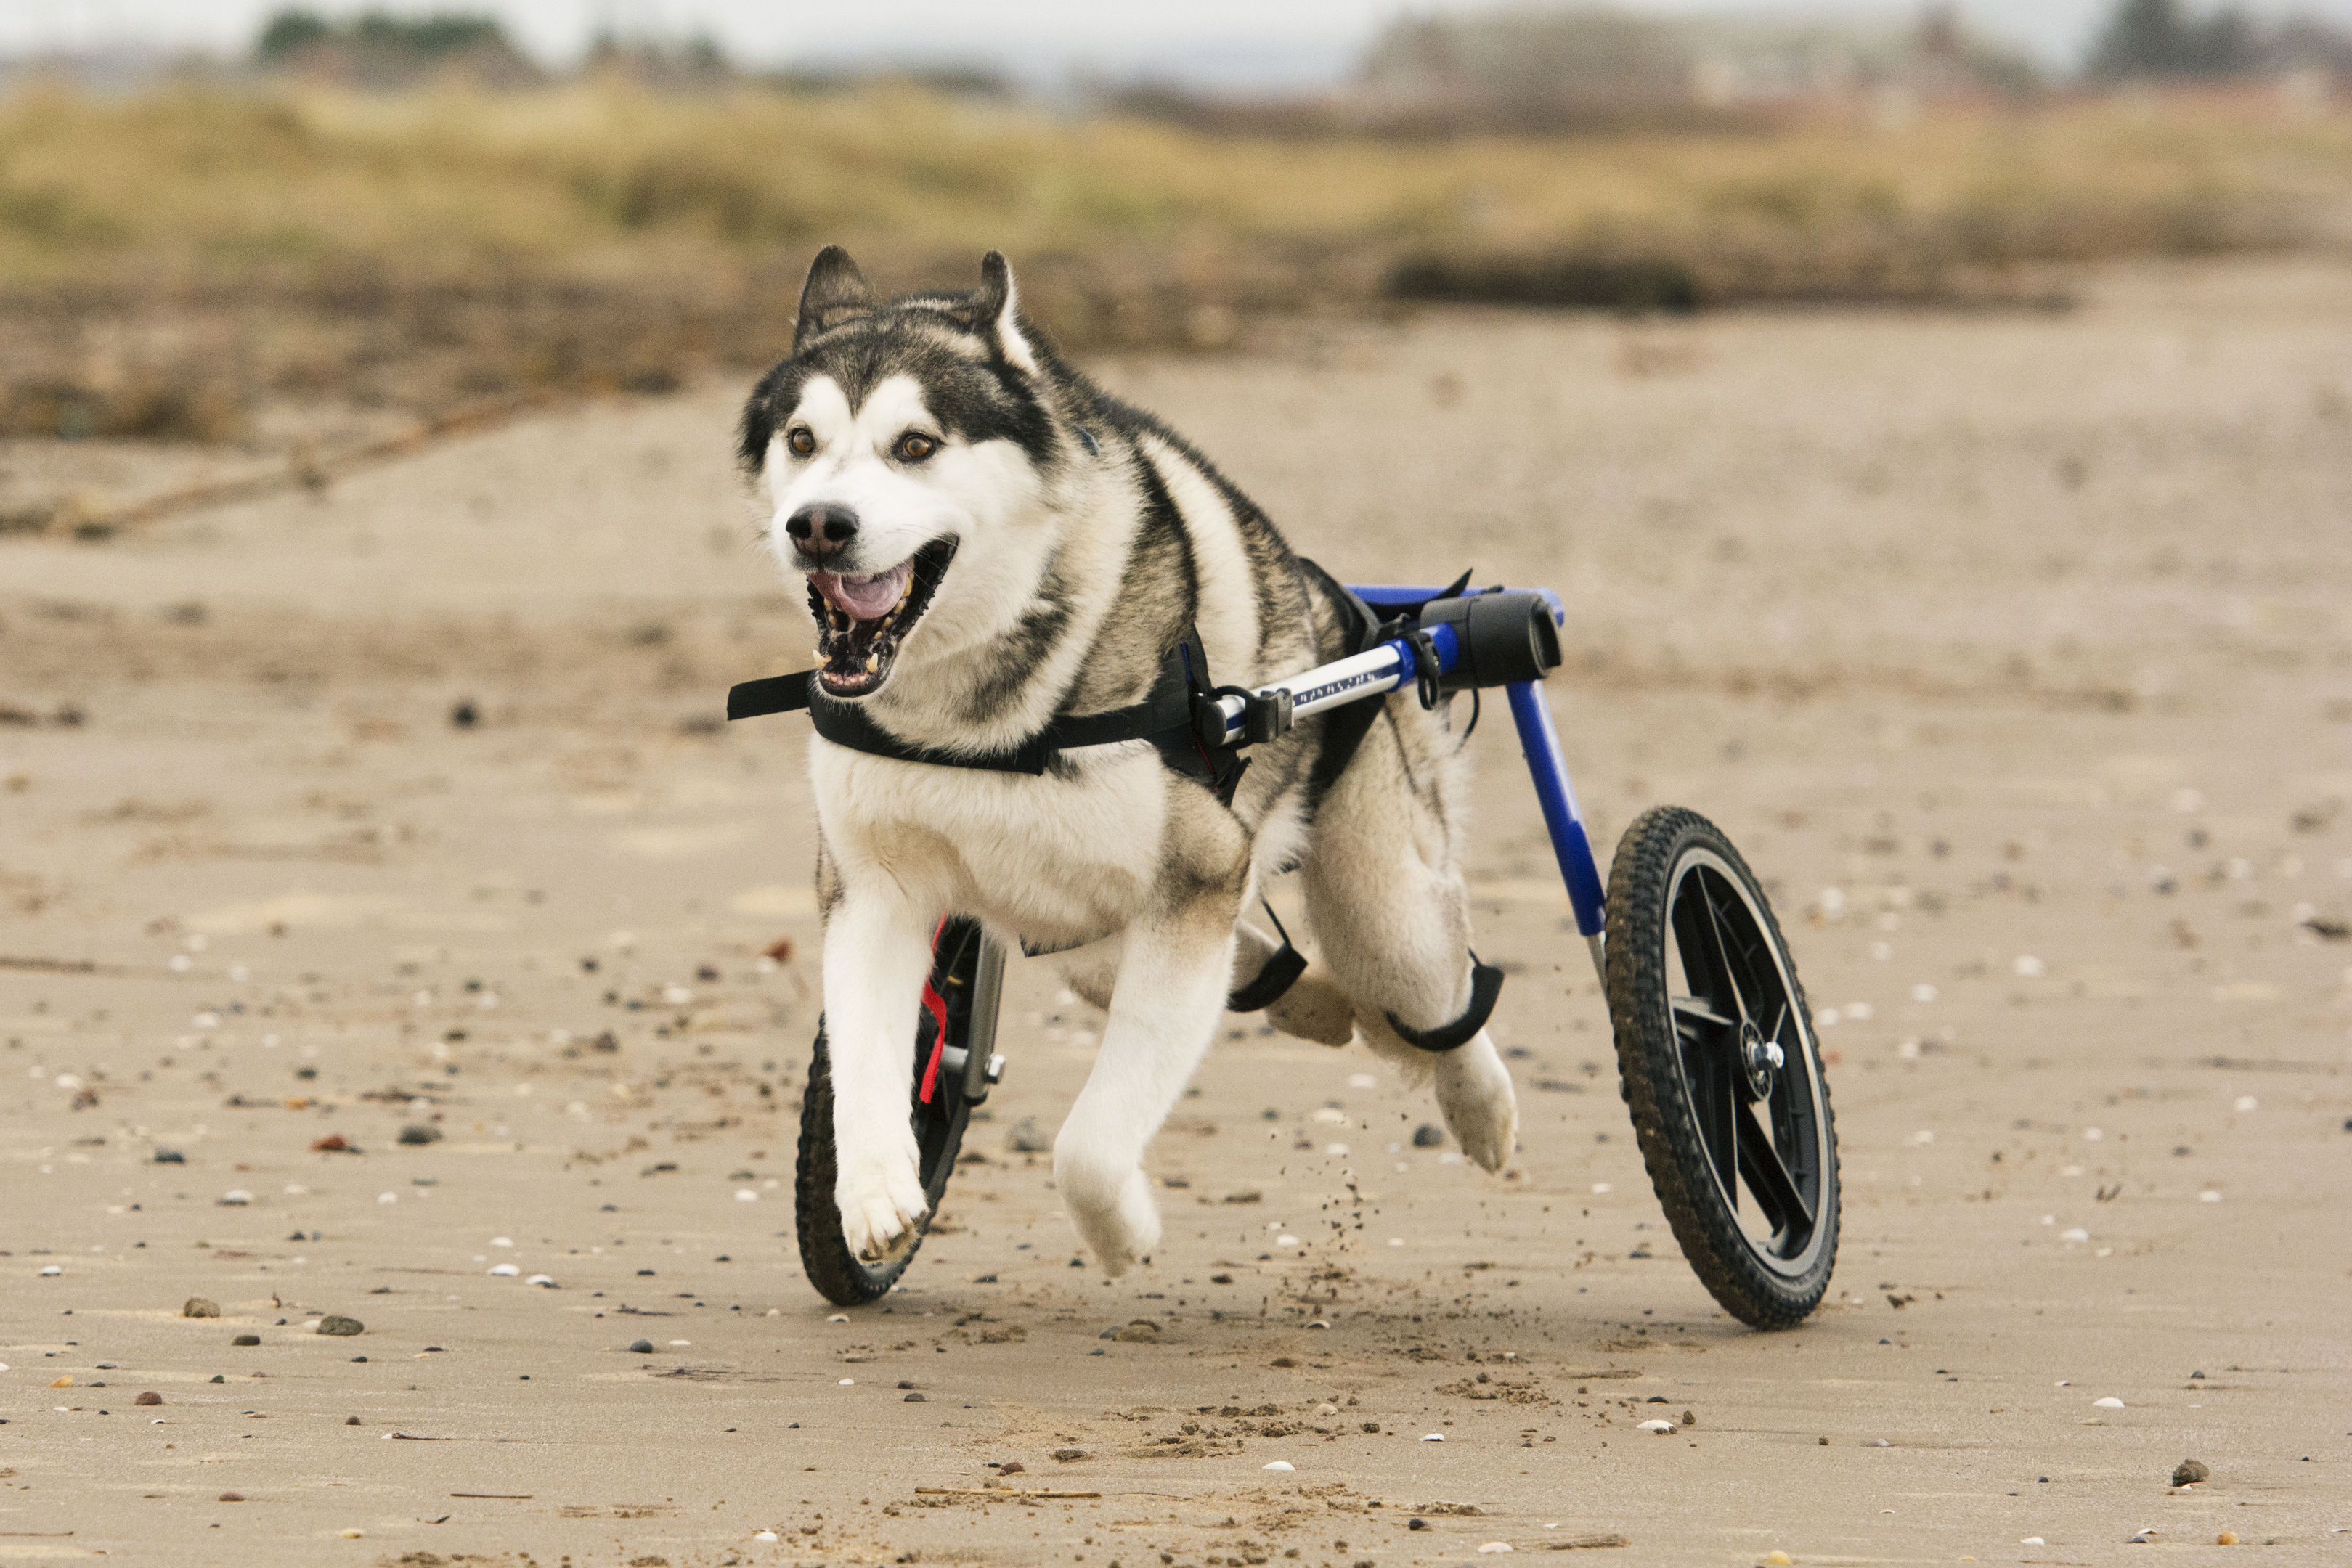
x,y
839,1273
1719,1064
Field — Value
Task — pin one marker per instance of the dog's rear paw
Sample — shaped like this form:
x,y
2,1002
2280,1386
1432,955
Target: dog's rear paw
x,y
1474,1091
1315,1008
880,1205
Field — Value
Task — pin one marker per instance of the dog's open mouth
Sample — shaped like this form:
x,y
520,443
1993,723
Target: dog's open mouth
x,y
861,620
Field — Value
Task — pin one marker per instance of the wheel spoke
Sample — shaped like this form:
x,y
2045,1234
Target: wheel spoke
x,y
1722,949
1702,953
1696,1009
1775,1190
1722,1138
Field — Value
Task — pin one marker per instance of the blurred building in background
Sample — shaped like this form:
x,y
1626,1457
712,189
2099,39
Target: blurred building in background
x,y
1552,70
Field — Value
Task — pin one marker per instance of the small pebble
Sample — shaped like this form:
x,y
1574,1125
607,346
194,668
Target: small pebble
x,y
353,1534
1416,1525
417,1133
1281,1465
51,1271
200,1307
1433,1437
642,1347
1661,1427
765,1535
1777,1559
914,1399
336,1326
1070,1456
505,1271
1011,1467
232,1497
65,1382
2109,1403
2031,1540
2143,1538
150,1397
545,1281
1495,1546
2189,1472
1428,1135
351,1420
1026,1137
246,1339
2227,1538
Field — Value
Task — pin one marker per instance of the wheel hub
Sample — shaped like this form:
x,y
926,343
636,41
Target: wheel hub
x,y
1759,1060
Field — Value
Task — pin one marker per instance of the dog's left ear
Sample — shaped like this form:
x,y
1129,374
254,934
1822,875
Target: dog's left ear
x,y
1000,311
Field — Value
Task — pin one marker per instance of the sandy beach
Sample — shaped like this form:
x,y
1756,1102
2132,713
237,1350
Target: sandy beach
x,y
2012,649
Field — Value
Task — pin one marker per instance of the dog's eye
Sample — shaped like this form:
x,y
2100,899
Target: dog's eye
x,y
914,447
802,441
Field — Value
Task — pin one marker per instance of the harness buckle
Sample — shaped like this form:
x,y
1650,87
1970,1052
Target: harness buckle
x,y
1266,717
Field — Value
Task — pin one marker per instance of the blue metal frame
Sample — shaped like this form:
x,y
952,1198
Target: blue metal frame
x,y
1540,744
1383,668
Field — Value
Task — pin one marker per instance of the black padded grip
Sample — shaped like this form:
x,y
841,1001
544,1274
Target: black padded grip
x,y
1280,972
1486,988
1504,638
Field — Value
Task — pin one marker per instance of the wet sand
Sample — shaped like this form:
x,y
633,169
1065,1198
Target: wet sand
x,y
2012,650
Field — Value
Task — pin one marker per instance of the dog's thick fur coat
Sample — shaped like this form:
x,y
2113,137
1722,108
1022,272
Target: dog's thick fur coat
x,y
993,541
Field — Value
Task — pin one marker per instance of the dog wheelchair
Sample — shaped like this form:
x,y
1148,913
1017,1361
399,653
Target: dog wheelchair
x,y
1717,1055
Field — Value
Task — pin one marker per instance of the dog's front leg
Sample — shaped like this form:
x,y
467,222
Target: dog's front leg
x,y
1170,991
877,954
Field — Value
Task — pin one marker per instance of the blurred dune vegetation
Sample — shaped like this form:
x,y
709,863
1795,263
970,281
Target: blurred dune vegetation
x,y
177,261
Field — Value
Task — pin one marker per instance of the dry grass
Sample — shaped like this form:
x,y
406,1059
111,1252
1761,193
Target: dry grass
x,y
172,263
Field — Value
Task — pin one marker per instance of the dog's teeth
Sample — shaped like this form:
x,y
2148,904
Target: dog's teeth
x,y
873,662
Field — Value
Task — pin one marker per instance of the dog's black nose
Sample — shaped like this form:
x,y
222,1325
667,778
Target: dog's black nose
x,y
821,529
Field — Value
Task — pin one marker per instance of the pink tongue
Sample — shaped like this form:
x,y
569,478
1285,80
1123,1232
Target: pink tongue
x,y
868,599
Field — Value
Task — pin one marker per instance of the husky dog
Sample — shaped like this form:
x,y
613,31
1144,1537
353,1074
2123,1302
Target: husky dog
x,y
991,542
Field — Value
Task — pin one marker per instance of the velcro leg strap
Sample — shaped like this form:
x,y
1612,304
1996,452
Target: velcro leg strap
x,y
1485,986
1279,972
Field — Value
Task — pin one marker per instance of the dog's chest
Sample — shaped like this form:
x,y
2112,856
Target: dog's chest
x,y
1058,861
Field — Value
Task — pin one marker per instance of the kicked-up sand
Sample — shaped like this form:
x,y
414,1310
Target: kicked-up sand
x,y
2011,650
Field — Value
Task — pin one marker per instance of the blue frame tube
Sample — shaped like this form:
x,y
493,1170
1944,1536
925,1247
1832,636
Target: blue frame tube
x,y
1570,846
1379,670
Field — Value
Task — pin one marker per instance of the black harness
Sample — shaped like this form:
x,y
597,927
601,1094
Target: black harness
x,y
1167,718
1179,719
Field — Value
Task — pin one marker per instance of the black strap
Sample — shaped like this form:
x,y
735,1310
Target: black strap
x,y
1274,977
1164,717
776,694
1486,986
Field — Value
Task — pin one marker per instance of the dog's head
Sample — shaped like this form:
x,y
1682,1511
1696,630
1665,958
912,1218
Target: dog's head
x,y
897,435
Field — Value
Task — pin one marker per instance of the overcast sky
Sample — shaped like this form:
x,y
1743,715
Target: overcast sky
x,y
1235,43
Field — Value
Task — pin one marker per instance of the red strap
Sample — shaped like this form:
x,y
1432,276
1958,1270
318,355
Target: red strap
x,y
937,1006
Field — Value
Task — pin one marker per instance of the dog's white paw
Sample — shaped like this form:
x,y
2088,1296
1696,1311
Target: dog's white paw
x,y
1315,1008
1110,1204
1474,1091
881,1200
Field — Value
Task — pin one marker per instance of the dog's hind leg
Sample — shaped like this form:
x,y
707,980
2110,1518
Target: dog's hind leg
x,y
1172,976
1392,919
878,953
1314,1007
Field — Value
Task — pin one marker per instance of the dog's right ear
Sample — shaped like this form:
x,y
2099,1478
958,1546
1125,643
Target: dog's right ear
x,y
834,288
